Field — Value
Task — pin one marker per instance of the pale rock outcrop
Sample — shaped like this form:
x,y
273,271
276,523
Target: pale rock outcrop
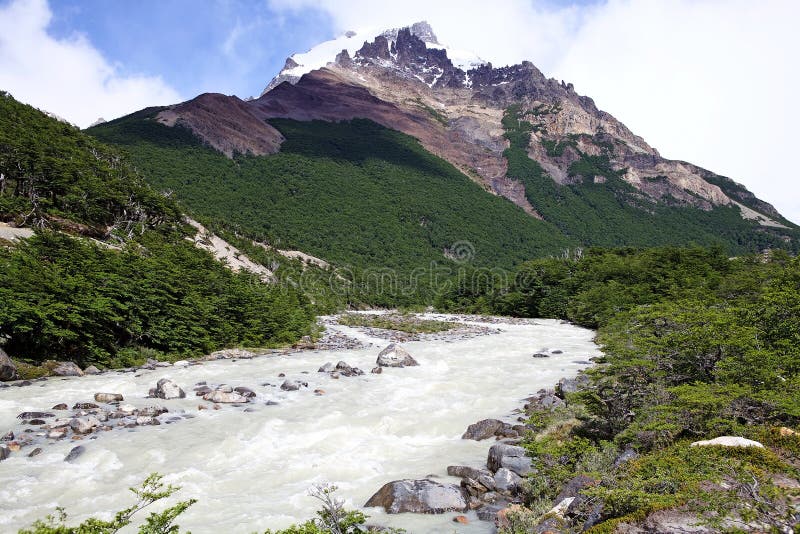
x,y
420,496
728,441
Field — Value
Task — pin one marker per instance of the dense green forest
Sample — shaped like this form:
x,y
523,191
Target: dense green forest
x,y
138,288
353,193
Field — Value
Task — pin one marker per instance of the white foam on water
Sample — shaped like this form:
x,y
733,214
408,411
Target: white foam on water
x,y
252,471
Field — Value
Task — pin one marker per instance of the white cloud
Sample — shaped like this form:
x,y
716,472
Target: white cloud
x,y
707,81
68,77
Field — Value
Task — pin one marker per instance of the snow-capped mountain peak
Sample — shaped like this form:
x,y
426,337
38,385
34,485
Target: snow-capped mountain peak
x,y
353,42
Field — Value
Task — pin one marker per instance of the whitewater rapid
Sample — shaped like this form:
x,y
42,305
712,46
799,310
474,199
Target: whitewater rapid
x,y
252,470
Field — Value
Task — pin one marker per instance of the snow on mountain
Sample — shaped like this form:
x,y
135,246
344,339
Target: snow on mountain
x,y
324,53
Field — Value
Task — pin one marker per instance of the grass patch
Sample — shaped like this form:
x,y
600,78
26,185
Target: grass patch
x,y
402,323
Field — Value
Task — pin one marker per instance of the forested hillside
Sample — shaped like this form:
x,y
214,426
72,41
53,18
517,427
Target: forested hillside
x,y
110,277
598,208
353,192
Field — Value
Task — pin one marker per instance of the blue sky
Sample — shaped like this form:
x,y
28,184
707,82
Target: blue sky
x,y
232,46
712,82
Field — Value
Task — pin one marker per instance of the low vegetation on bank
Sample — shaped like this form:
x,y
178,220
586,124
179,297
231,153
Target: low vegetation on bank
x,y
408,323
696,346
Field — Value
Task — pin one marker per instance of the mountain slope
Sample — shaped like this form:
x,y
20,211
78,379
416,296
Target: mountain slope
x,y
112,275
512,131
352,192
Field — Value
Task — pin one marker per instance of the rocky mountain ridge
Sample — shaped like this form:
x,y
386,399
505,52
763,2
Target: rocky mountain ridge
x,y
405,79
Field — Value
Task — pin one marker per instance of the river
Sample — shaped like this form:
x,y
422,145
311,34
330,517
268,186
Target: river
x,y
252,470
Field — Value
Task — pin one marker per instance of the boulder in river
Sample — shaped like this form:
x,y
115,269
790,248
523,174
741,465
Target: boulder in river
x,y
421,497
395,356
66,369
482,429
8,371
245,392
85,406
166,388
147,420
74,453
293,385
202,390
91,370
5,452
225,397
511,457
35,415
108,397
84,425
326,368
345,369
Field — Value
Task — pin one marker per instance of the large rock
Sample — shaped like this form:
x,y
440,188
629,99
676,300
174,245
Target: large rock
x,y
511,457
345,369
91,370
226,397
506,481
166,388
8,371
484,429
464,471
67,369
421,497
395,356
35,415
5,452
566,386
728,441
293,385
108,397
75,453
84,425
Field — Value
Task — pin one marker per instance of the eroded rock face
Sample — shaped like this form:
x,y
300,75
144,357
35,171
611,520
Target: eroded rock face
x,y
420,496
226,123
8,371
395,356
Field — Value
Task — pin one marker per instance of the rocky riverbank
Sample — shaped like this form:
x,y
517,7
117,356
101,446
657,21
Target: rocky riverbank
x,y
492,490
